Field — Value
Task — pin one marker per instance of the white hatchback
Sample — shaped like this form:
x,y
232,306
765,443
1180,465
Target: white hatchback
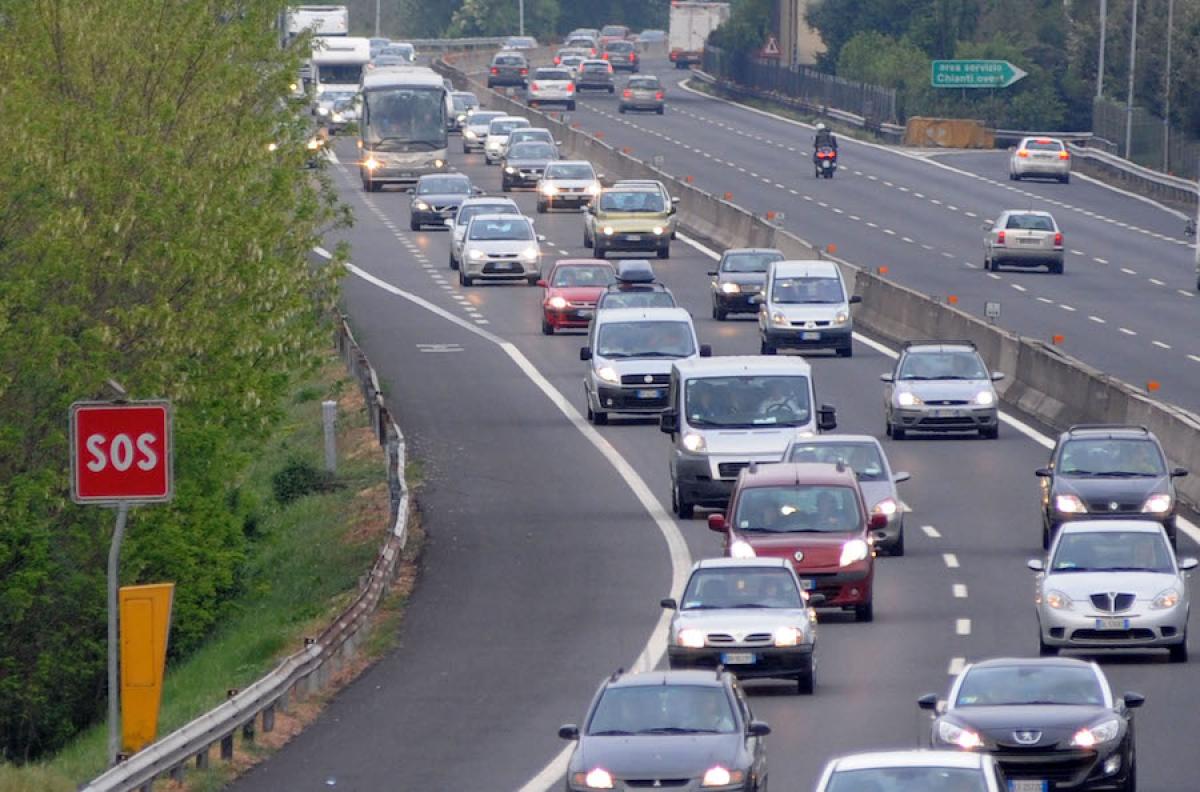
x,y
1043,157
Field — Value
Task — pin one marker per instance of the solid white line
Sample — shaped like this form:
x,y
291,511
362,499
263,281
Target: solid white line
x,y
957,664
1127,331
1161,345
962,626
1096,319
951,560
960,590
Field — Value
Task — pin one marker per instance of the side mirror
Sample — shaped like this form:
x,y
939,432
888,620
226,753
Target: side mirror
x,y
585,353
477,190
855,299
717,524
1036,564
673,210
1179,472
901,476
928,702
755,299
674,199
669,603
758,729
827,418
887,378
815,600
542,282
1134,700
590,209
541,237
878,522
1043,473
558,143
1187,564
712,273
997,376
668,422
986,226
568,732
705,350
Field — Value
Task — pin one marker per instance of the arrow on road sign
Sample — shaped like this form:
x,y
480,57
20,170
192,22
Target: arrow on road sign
x,y
974,74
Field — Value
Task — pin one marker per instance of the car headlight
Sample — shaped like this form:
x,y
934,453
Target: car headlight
x,y
957,735
731,288
788,636
324,111
657,230
549,189
593,188
461,117
608,230
337,118
475,255
557,302
420,205
597,778
908,399
853,551
372,163
608,374
694,442
691,637
985,398
272,146
779,319
1105,731
509,169
1158,504
470,135
719,776
1069,504
1058,600
529,254
741,549
437,163
1167,599
886,507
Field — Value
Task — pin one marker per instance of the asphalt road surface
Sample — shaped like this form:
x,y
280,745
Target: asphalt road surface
x,y
543,568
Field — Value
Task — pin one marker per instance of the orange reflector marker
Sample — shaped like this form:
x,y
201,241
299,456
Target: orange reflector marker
x,y
770,215
883,270
952,299
574,125
599,135
728,196
831,248
626,150
1153,385
1057,339
689,179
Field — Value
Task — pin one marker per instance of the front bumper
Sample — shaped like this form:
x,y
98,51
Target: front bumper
x,y
635,240
737,302
521,178
499,269
1035,167
842,589
642,104
769,661
432,216
1063,770
693,476
1138,628
649,399
802,338
647,781
577,316
956,418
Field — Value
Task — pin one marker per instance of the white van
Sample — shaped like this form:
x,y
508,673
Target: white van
x,y
804,305
726,412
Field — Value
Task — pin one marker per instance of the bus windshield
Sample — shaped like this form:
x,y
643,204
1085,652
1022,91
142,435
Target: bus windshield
x,y
339,73
405,119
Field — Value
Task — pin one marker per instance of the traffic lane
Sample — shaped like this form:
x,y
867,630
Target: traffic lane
x,y
518,560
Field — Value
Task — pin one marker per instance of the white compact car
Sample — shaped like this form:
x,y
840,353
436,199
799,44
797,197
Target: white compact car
x,y
804,305
1047,158
500,247
497,136
468,209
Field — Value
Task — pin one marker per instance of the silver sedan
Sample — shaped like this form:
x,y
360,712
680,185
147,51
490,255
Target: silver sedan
x,y
1023,238
643,93
1112,584
1046,157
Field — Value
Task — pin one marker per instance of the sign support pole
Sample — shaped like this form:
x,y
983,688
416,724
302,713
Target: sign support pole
x,y
114,698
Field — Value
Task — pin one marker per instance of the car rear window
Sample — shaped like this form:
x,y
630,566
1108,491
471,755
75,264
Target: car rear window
x,y
1030,222
509,60
552,74
1044,145
645,83
897,779
618,46
863,458
798,507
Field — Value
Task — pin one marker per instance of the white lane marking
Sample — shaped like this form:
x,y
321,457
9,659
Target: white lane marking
x,y
994,276
1184,292
1127,331
1076,252
1157,282
1017,286
1045,300
1194,358
889,232
1066,307
957,664
1096,319
960,590
1128,271
1099,260
951,560
947,254
962,626
1161,345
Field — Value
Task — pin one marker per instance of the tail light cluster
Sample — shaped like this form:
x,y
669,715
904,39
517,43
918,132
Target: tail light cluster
x,y
1064,155
557,59
627,93
632,57
524,72
535,87
1058,239
571,87
1022,153
604,56
1000,238
658,95
495,70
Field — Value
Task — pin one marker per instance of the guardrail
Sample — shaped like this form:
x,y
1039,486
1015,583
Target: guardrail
x,y
1142,179
308,670
457,44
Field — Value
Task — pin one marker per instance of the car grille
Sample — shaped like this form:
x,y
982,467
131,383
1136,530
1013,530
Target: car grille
x,y
721,639
640,379
730,470
946,402
1050,765
965,421
1104,506
655,783
808,323
443,208
1113,602
1136,634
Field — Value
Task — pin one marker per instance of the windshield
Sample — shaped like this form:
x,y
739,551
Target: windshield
x,y
662,339
793,508
618,46
406,119
483,119
1029,222
1028,684
570,172
337,98
465,101
582,275
1112,551
748,401
739,587
962,365
908,779
1105,456
613,30
531,150
863,458
503,127
662,709
749,262
339,73
443,185
508,60
637,299
507,228
467,212
632,201
807,291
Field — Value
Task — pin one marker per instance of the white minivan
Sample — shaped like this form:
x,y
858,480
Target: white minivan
x,y
804,305
725,412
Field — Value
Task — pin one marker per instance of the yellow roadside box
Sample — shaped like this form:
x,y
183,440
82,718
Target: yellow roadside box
x,y
145,624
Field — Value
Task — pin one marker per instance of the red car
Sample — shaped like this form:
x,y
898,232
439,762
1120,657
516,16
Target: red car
x,y
815,516
572,288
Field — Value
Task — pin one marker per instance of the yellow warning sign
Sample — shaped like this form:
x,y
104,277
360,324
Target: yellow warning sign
x,y
145,613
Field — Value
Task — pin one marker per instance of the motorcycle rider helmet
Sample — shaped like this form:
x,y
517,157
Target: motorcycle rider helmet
x,y
820,126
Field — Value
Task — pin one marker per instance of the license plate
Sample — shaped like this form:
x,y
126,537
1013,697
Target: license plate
x,y
825,164
1112,624
810,336
649,394
505,265
945,413
1030,242
808,584
737,658
584,313
634,237
1027,785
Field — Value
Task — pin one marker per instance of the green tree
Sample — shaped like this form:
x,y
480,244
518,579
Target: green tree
x,y
747,28
501,18
147,234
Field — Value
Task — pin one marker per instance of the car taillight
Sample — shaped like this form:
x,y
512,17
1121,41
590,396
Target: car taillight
x,y
495,70
534,87
570,87
627,93
1044,142
557,60
632,57
1058,239
658,95
1022,153
604,56
1064,155
524,71
1000,238
593,51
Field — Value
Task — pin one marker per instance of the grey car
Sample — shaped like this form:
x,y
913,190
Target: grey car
x,y
508,68
914,770
475,129
1023,238
865,456
567,183
437,197
750,615
1112,584
741,274
595,75
941,386
643,93
524,164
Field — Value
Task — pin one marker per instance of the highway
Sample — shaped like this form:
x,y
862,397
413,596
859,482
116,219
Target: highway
x,y
545,559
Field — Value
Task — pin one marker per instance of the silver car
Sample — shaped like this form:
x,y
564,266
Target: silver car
x,y
551,85
750,615
1112,584
500,247
865,456
914,770
468,209
1045,157
497,136
1023,238
643,93
475,129
567,183
941,386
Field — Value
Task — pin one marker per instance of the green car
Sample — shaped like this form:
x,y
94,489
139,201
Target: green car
x,y
629,219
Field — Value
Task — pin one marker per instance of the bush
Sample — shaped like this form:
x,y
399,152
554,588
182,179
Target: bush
x,y
299,478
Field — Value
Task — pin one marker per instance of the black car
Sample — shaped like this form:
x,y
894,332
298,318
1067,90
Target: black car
x,y
508,68
525,163
465,105
739,276
668,729
1050,723
622,55
437,198
595,75
1100,471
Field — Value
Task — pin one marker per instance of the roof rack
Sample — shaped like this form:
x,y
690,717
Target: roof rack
x,y
938,342
617,674
1122,427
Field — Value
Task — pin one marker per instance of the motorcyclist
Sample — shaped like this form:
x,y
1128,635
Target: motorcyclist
x,y
824,139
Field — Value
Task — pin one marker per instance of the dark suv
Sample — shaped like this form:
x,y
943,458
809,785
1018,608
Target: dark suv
x,y
1100,471
508,68
694,728
622,55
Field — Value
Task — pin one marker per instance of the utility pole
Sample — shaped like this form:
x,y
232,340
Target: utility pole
x,y
1132,72
1103,38
521,14
377,2
1167,89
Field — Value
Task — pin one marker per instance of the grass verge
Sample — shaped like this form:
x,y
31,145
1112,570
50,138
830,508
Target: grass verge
x,y
304,566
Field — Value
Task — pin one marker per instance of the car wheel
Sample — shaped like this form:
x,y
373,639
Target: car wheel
x,y
505,186
1066,179
661,110
413,225
898,433
807,683
719,313
621,109
991,433
1016,177
1046,650
1178,653
598,418
1057,268
664,252
766,348
897,549
453,262
598,250
547,328
463,278
846,351
680,506
865,613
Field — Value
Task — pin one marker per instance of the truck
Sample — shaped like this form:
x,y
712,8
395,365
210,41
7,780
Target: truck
x,y
690,24
322,20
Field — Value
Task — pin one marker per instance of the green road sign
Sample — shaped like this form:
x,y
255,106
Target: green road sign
x,y
974,74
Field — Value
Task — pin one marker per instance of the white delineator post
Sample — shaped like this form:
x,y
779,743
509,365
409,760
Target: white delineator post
x,y
329,420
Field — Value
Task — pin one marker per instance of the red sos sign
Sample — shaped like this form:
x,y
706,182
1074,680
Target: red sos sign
x,y
121,452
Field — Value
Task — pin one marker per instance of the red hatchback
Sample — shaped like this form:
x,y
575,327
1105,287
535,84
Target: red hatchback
x,y
815,516
571,291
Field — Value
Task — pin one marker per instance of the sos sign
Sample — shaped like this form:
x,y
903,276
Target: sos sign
x,y
121,452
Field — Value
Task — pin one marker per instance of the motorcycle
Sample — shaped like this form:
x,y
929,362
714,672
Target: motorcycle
x,y
825,162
